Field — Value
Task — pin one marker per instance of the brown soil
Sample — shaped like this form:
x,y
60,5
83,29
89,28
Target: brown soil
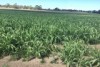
x,y
33,63
97,46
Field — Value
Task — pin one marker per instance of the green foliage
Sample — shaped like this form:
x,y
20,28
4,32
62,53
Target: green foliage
x,y
76,54
72,52
5,65
28,35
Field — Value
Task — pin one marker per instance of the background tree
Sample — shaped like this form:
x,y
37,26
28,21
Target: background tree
x,y
38,7
48,9
30,7
99,11
57,9
25,7
94,11
7,5
21,7
15,6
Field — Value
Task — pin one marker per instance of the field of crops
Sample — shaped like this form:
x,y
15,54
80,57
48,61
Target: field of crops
x,y
25,34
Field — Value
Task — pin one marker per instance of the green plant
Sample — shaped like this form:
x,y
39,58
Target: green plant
x,y
5,65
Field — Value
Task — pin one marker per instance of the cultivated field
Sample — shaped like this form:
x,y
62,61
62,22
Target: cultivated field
x,y
65,37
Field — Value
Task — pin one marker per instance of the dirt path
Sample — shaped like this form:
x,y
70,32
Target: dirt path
x,y
33,63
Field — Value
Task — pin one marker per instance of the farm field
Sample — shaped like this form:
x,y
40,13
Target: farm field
x,y
67,37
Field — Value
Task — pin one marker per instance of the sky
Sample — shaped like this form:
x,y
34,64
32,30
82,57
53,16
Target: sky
x,y
62,4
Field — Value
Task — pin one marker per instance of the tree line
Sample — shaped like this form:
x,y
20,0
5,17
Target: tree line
x,y
74,10
39,7
96,11
16,6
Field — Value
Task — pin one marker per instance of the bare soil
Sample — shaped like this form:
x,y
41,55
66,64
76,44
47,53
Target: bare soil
x,y
97,46
33,63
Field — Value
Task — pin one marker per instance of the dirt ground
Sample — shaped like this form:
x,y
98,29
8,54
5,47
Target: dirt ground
x,y
95,46
33,63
